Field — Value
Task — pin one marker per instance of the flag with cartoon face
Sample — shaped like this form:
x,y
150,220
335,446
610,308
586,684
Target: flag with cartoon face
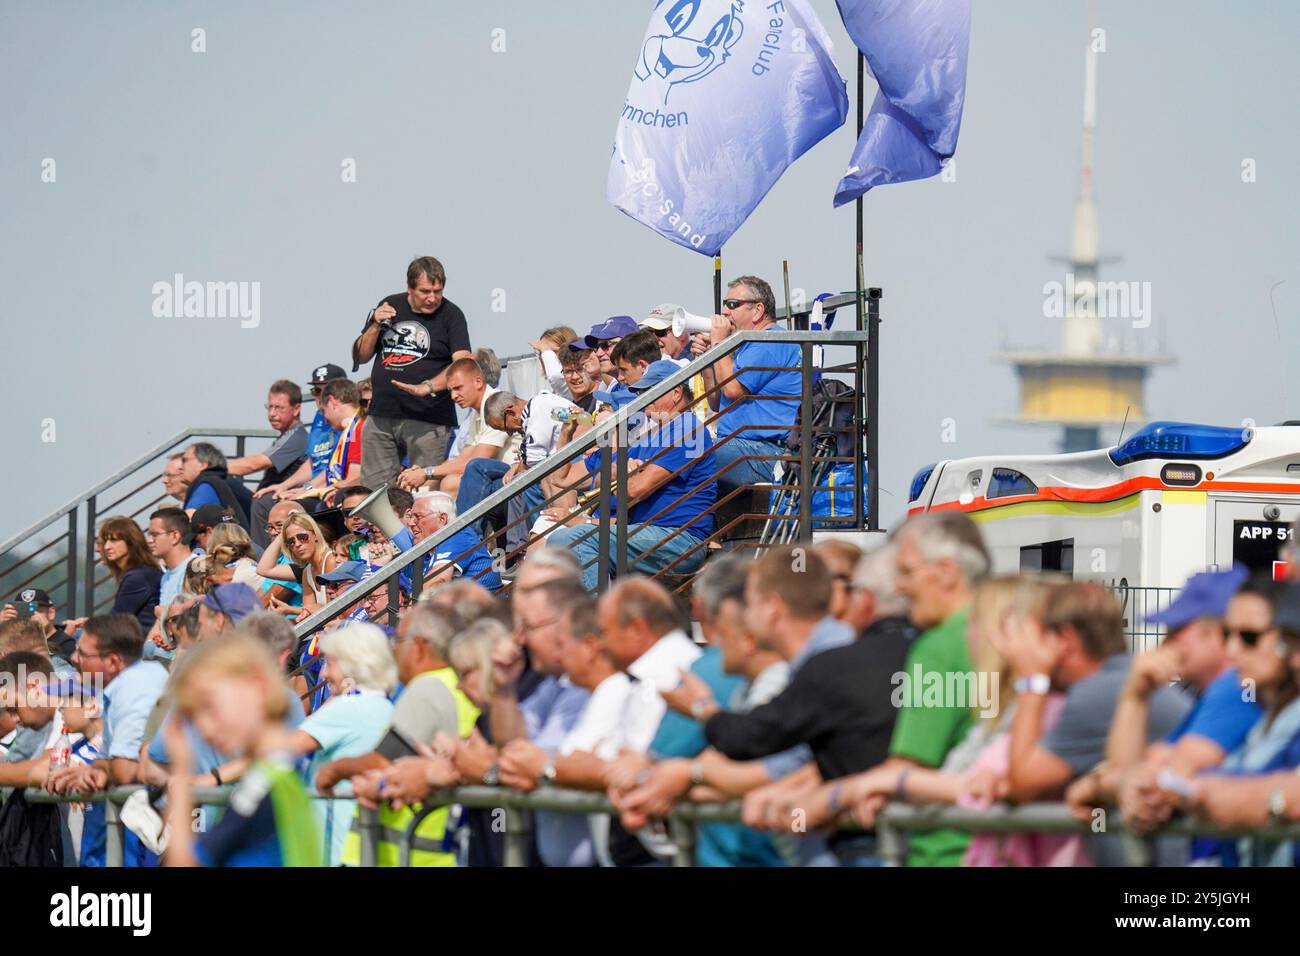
x,y
725,95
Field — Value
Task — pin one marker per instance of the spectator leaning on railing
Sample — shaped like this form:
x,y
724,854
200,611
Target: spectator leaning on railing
x,y
340,402
469,390
416,335
755,389
289,450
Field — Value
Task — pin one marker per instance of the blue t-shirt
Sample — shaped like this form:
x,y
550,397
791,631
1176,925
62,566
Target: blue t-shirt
x,y
717,844
754,362
202,495
687,454
1221,714
321,439
129,699
476,565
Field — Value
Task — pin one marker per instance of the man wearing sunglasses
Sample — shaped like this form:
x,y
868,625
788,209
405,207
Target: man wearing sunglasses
x,y
601,339
750,432
676,348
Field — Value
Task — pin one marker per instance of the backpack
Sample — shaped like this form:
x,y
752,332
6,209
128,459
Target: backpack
x,y
30,833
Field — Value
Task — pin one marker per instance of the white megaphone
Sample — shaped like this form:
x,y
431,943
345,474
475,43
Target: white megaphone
x,y
689,323
376,510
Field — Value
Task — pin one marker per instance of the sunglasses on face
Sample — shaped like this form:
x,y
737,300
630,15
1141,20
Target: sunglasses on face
x,y
1249,638
737,303
299,538
661,333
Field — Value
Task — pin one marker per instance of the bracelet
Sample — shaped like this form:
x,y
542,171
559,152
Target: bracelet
x,y
216,775
834,798
697,773
900,788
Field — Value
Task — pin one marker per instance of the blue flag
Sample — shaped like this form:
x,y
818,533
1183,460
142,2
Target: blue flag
x,y
725,95
917,51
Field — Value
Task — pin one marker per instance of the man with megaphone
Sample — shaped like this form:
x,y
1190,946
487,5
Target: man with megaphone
x,y
750,433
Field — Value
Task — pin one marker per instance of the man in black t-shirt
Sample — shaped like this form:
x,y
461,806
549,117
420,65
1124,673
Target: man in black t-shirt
x,y
412,336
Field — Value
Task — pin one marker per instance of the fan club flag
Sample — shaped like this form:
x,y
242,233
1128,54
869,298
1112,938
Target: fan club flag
x,y
725,95
917,51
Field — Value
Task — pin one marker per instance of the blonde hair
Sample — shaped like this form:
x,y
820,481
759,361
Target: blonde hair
x,y
229,542
560,336
229,655
473,647
362,653
196,575
992,601
300,519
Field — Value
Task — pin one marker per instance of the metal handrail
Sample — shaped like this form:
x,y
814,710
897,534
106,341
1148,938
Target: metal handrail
x,y
893,820
136,465
598,436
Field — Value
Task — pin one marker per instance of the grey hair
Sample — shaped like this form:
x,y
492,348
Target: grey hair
x,y
436,626
439,501
497,403
940,535
468,599
473,647
722,579
209,454
362,653
877,572
490,364
273,630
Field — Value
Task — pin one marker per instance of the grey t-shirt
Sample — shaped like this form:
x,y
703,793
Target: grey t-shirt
x,y
1079,736
426,708
286,454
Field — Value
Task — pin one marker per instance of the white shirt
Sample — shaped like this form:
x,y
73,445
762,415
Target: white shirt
x,y
599,729
541,433
659,668
479,432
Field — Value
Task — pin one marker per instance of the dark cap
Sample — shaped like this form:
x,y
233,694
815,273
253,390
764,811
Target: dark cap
x,y
30,600
236,601
1204,595
325,373
209,516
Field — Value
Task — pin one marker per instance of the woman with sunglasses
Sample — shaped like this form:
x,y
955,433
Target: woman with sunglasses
x,y
122,549
309,555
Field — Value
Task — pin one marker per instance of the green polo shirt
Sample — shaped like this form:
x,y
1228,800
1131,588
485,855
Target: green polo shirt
x,y
925,733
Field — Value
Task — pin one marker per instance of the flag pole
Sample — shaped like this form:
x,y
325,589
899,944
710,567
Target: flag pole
x,y
717,283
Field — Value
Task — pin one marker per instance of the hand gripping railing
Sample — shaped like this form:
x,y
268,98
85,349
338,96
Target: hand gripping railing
x,y
75,593
891,823
613,524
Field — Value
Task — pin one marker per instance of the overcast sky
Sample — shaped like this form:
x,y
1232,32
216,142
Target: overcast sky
x,y
225,166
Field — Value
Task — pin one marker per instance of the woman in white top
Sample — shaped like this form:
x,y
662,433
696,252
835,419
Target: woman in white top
x,y
303,542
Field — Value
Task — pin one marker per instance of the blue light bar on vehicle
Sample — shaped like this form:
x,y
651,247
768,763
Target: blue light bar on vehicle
x,y
1180,440
918,482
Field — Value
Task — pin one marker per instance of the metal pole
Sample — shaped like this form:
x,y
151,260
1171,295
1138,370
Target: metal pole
x,y
684,841
395,593
89,569
717,283
889,843
805,446
857,205
71,610
112,833
873,408
620,526
517,830
368,833
602,532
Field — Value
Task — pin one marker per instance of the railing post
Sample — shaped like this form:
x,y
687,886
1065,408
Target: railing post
x,y
684,840
859,420
516,837
89,569
889,842
368,833
805,445
71,609
873,408
620,525
1138,850
602,533
113,855
395,592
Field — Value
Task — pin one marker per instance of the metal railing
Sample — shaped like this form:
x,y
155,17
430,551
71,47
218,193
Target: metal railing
x,y
57,554
892,823
612,527
1138,604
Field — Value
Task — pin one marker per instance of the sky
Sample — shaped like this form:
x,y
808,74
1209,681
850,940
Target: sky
x,y
480,133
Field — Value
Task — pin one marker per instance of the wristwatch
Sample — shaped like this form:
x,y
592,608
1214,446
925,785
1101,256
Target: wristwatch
x,y
700,708
548,772
697,773
1277,806
492,775
428,471
1033,684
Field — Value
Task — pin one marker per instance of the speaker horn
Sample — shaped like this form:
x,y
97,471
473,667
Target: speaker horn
x,y
689,323
378,512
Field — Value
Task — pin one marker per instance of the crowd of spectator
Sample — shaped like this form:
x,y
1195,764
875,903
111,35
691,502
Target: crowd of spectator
x,y
815,683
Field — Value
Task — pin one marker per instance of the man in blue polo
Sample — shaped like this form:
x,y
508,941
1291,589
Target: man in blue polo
x,y
461,555
671,485
756,388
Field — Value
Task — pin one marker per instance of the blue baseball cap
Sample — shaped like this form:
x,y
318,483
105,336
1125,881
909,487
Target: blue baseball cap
x,y
616,397
236,601
655,373
348,571
615,327
1204,595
